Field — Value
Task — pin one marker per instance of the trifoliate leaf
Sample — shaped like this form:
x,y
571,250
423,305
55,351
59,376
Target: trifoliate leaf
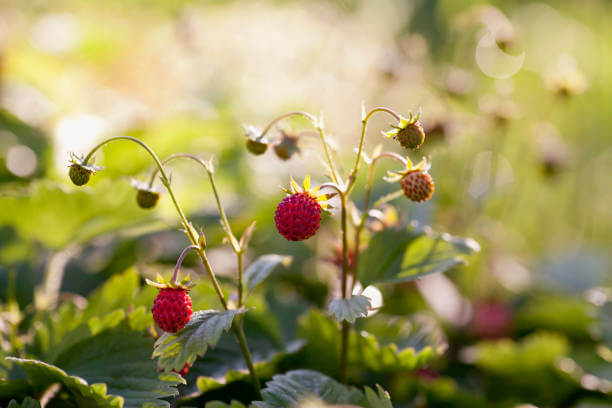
x,y
349,309
203,331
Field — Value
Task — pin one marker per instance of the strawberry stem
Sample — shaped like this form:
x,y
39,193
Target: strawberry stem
x,y
180,261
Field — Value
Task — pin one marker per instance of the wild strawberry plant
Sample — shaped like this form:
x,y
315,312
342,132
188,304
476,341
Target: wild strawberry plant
x,y
374,248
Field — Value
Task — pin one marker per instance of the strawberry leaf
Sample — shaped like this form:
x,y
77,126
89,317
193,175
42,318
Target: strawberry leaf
x,y
400,255
263,266
288,390
108,369
203,330
349,309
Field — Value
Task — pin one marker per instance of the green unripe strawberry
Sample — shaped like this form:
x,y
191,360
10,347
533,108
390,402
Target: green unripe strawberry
x,y
412,136
147,199
79,174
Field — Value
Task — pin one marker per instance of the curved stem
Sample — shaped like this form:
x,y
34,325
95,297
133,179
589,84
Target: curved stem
x,y
188,228
226,225
364,121
319,129
366,206
179,262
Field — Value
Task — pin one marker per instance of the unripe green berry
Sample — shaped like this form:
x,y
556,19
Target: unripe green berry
x,y
412,136
256,146
79,174
287,146
146,198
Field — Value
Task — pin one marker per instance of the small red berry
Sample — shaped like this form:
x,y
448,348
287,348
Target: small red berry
x,y
184,370
298,216
417,185
172,309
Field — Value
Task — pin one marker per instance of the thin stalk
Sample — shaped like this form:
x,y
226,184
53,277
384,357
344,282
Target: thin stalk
x,y
364,121
226,225
179,262
366,206
319,129
240,272
239,332
345,325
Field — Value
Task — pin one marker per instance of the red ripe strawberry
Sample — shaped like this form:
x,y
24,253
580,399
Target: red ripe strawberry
x,y
417,185
172,309
298,216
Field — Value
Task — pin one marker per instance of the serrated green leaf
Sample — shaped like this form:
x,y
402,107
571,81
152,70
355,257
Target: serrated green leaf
x,y
401,255
366,352
203,330
349,309
42,375
26,403
263,266
287,390
108,366
378,399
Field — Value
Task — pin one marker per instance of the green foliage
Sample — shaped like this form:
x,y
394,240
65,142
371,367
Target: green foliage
x,y
295,387
203,330
26,403
572,316
108,367
79,214
365,351
289,389
399,255
533,354
262,267
349,309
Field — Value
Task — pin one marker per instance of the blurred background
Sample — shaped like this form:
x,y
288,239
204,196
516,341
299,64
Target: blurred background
x,y
516,99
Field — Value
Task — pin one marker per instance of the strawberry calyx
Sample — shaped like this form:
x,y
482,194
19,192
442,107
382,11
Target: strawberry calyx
x,y
423,166
185,284
321,199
